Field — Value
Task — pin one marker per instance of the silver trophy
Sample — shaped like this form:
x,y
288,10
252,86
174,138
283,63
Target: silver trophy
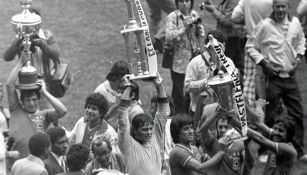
x,y
133,33
26,24
222,85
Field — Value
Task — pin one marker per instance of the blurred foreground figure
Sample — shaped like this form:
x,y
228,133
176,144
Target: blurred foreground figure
x,y
39,146
77,156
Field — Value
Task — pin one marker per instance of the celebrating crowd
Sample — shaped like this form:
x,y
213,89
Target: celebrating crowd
x,y
188,132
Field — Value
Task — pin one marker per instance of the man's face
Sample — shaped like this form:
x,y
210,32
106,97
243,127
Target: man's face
x,y
60,146
222,127
92,113
144,133
186,133
280,8
280,133
31,103
184,6
102,154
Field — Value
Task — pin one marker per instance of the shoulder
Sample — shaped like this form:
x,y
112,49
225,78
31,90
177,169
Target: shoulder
x,y
173,14
102,86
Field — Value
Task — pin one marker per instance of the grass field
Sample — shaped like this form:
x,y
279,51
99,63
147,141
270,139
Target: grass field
x,y
88,33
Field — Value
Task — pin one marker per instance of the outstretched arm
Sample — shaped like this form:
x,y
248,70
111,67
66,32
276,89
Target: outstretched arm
x,y
13,49
209,116
204,167
49,46
11,84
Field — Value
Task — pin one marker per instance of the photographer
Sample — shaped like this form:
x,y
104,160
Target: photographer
x,y
183,31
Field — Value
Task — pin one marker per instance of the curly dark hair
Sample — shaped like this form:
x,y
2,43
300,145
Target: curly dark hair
x,y
77,157
98,100
179,120
288,124
118,70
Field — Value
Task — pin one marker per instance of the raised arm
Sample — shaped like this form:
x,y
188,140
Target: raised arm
x,y
13,49
59,109
123,118
49,46
11,84
225,17
210,114
163,110
238,12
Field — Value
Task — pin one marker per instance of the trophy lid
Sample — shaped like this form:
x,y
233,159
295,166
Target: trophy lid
x,y
219,79
26,17
27,78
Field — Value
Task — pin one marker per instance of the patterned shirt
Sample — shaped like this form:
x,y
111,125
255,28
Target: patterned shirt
x,y
183,42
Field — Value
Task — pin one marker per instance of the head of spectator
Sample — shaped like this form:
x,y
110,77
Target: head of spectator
x,y
218,35
96,106
284,130
154,105
222,126
182,129
59,140
39,145
134,93
280,9
184,6
77,157
30,100
142,128
116,74
101,148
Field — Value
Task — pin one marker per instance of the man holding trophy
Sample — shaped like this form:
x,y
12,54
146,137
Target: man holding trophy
x,y
31,40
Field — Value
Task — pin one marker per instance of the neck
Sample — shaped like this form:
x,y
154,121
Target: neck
x,y
186,144
113,85
94,123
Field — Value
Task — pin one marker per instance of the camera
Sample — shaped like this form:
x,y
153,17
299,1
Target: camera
x,y
202,5
192,20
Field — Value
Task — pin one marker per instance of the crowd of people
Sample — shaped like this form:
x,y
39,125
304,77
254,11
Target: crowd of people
x,y
186,133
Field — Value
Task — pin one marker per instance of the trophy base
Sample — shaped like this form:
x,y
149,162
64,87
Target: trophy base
x,y
142,77
134,29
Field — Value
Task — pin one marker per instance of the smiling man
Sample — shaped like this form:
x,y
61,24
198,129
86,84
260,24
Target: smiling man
x,y
277,44
141,144
93,124
182,158
55,163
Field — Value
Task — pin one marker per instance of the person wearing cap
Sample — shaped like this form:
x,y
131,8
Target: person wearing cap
x,y
93,124
26,118
141,141
39,146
